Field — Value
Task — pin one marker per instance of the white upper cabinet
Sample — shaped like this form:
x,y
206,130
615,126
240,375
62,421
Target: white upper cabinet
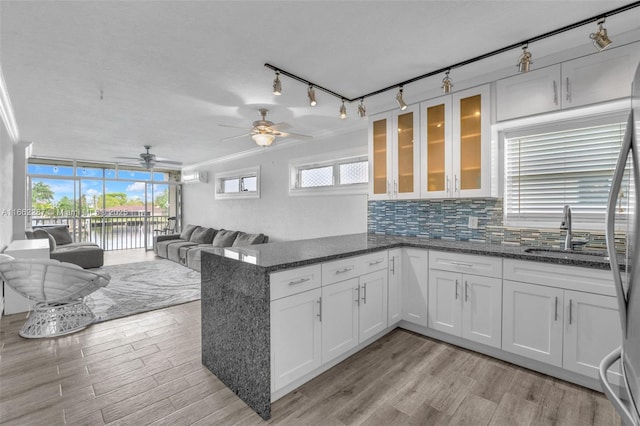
x,y
588,80
394,155
456,145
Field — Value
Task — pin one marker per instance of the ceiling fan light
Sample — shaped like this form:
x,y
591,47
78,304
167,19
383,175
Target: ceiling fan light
x,y
312,96
401,103
524,61
600,38
343,111
277,85
362,110
263,139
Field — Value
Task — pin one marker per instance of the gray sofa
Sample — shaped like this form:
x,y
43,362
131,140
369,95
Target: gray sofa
x,y
186,247
62,248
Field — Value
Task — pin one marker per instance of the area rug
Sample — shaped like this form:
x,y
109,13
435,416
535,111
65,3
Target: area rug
x,y
143,286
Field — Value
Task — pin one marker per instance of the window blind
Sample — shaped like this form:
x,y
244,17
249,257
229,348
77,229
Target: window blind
x,y
543,172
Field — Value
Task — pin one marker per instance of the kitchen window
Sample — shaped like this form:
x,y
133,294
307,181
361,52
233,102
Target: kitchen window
x,y
572,164
243,183
344,175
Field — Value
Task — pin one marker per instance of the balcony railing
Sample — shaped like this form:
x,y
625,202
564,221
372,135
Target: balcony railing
x,y
110,232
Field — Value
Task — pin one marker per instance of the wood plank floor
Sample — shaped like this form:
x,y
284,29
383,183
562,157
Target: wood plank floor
x,y
145,369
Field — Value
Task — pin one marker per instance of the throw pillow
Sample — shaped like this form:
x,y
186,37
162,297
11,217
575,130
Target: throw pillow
x,y
203,236
244,239
42,234
224,238
61,234
187,231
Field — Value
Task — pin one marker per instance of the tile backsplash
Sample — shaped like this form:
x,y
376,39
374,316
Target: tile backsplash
x,y
449,219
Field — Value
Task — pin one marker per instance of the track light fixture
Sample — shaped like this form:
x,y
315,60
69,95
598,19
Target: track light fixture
x,y
600,38
277,85
362,110
312,96
400,101
343,111
447,84
524,61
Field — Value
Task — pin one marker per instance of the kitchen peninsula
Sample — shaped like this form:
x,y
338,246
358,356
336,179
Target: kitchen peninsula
x,y
241,287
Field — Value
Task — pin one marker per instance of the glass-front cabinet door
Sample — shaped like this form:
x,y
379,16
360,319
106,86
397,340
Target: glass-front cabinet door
x,y
471,142
406,155
436,148
394,157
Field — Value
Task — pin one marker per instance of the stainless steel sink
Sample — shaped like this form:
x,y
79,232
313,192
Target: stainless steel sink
x,y
567,253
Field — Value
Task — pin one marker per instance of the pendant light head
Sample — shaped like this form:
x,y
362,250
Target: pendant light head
x,y
263,139
600,38
312,96
362,110
400,100
447,84
343,111
524,61
277,85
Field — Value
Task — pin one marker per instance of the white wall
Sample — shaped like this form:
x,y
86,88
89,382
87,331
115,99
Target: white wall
x,y
6,187
275,213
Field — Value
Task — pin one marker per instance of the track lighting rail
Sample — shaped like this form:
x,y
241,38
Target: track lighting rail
x,y
463,63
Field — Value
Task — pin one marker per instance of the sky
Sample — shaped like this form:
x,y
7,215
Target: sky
x,y
91,181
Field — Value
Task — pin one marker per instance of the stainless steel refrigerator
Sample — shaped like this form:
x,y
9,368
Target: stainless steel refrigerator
x,y
627,278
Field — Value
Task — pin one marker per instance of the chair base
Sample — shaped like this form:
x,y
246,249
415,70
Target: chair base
x,y
56,320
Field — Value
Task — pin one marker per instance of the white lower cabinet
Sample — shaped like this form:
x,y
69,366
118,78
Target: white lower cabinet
x,y
552,322
592,329
353,311
295,337
394,282
532,321
415,288
465,305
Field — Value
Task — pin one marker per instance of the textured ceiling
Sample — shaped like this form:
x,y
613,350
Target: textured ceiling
x,y
99,79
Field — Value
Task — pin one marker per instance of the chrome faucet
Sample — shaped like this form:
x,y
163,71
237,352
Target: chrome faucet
x,y
566,224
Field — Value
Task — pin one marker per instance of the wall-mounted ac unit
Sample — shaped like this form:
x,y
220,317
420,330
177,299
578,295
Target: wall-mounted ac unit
x,y
194,177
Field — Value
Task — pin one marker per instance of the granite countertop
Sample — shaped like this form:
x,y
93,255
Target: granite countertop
x,y
290,254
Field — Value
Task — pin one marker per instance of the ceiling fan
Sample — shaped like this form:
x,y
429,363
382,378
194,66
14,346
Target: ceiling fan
x,y
149,160
264,131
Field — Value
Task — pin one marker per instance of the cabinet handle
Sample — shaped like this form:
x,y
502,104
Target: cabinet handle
x,y
570,309
448,185
320,309
556,314
376,262
388,187
555,92
342,271
364,298
466,291
300,281
395,188
568,90
393,265
358,297
453,262
456,289
455,186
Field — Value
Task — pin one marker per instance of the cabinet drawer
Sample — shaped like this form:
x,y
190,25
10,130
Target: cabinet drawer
x,y
466,263
340,270
374,262
562,276
294,281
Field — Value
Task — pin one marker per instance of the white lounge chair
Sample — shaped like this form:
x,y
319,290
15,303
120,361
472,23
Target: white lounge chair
x,y
58,289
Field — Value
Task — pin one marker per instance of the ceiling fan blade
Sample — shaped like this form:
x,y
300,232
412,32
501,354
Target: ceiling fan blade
x,y
281,126
128,158
232,138
234,127
176,163
296,136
